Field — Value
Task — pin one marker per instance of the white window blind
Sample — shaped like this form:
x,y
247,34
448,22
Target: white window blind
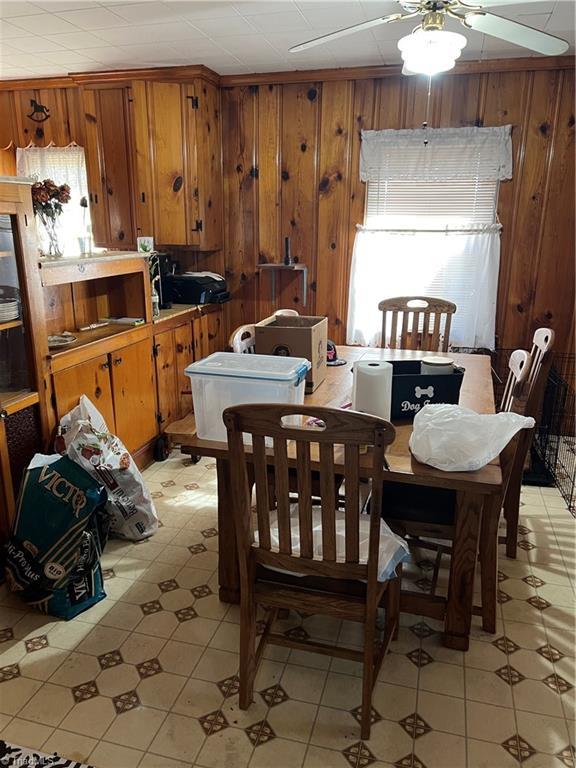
x,y
430,227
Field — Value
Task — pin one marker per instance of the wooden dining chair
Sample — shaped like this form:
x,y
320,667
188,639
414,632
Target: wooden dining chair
x,y
528,402
316,550
426,516
243,340
406,313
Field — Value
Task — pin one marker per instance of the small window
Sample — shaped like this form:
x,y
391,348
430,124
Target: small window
x,y
64,165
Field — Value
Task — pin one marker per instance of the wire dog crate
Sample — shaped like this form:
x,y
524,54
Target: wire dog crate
x,y
553,454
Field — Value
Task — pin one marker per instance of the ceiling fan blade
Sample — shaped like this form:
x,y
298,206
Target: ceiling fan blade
x,y
349,31
490,3
516,33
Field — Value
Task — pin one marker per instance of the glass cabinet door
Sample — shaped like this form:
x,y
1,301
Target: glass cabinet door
x,y
15,370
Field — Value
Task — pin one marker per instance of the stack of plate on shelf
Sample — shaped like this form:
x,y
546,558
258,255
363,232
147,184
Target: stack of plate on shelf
x,y
9,310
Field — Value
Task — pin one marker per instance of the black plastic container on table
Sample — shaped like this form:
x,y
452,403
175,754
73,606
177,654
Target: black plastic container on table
x,y
412,390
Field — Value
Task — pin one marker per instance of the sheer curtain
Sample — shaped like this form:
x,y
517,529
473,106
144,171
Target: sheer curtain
x,y
64,165
430,227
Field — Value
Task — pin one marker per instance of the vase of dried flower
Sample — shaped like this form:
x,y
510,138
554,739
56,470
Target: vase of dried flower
x,y
47,200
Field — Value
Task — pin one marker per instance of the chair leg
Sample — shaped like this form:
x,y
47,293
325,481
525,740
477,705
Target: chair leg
x,y
368,671
247,648
512,514
392,602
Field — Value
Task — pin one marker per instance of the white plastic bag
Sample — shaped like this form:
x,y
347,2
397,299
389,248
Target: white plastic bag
x,y
88,442
392,550
457,439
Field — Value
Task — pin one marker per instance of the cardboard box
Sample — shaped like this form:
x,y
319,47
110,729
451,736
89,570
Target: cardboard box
x,y
296,337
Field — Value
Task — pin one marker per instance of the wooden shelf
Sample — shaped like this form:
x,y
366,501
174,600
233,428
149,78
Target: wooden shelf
x,y
62,271
295,266
10,324
92,336
15,400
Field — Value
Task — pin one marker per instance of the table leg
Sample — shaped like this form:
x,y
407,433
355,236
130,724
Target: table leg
x,y
228,575
489,561
462,568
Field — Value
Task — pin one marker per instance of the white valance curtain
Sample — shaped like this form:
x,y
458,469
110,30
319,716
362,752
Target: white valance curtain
x,y
437,154
430,227
64,165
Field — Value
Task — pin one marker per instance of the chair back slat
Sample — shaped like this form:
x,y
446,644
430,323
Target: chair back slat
x,y
540,354
282,489
304,472
328,501
518,367
404,332
435,334
433,342
310,443
352,498
262,491
243,340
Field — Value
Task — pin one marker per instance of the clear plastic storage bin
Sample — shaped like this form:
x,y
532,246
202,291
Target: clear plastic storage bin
x,y
227,378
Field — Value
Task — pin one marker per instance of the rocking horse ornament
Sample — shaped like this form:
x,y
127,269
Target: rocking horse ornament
x,y
39,113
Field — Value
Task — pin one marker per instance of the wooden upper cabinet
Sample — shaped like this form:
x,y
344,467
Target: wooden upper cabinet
x,y
178,165
108,163
203,102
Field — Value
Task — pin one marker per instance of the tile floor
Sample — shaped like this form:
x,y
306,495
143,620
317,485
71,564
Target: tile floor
x,y
147,677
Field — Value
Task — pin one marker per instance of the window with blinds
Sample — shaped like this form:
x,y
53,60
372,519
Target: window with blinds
x,y
430,205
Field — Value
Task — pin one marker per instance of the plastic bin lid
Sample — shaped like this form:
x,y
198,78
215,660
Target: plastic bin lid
x,y
245,366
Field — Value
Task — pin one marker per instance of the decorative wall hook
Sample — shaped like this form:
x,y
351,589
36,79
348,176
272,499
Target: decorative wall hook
x,y
39,113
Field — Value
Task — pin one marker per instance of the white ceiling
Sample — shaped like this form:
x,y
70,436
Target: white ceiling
x,y
54,37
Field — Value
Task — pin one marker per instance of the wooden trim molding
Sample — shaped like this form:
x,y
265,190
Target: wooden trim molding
x,y
533,63
178,74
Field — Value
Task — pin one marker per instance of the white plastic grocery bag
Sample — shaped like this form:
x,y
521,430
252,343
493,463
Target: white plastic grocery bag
x,y
457,439
88,442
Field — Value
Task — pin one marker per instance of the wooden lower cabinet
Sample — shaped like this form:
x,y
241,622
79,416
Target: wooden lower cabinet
x,y
166,378
92,379
173,352
184,348
133,387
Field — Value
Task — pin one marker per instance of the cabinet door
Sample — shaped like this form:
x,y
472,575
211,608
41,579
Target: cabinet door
x,y
143,189
134,394
215,331
200,334
209,165
114,133
166,378
184,356
92,379
93,154
167,137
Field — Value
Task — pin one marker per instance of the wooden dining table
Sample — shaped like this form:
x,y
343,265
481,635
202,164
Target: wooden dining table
x,y
478,493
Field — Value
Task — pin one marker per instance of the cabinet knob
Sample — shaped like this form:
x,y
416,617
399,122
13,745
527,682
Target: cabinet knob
x,y
3,414
117,360
105,366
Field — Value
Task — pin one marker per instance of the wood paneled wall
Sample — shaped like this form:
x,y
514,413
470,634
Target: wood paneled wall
x,y
291,157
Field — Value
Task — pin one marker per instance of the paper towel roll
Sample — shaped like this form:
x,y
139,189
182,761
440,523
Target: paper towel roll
x,y
372,388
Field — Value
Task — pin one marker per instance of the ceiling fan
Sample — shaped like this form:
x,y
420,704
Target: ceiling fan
x,y
430,48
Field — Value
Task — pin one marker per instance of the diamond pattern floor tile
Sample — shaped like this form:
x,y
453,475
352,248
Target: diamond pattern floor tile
x,y
172,671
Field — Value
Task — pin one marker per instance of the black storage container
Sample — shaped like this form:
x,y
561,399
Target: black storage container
x,y
412,390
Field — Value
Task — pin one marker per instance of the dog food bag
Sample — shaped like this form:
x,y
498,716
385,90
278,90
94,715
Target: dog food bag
x,y
52,559
88,442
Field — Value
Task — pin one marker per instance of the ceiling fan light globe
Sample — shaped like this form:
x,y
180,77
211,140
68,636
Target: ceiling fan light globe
x,y
429,52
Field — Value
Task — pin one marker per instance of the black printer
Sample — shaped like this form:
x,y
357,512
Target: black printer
x,y
195,288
